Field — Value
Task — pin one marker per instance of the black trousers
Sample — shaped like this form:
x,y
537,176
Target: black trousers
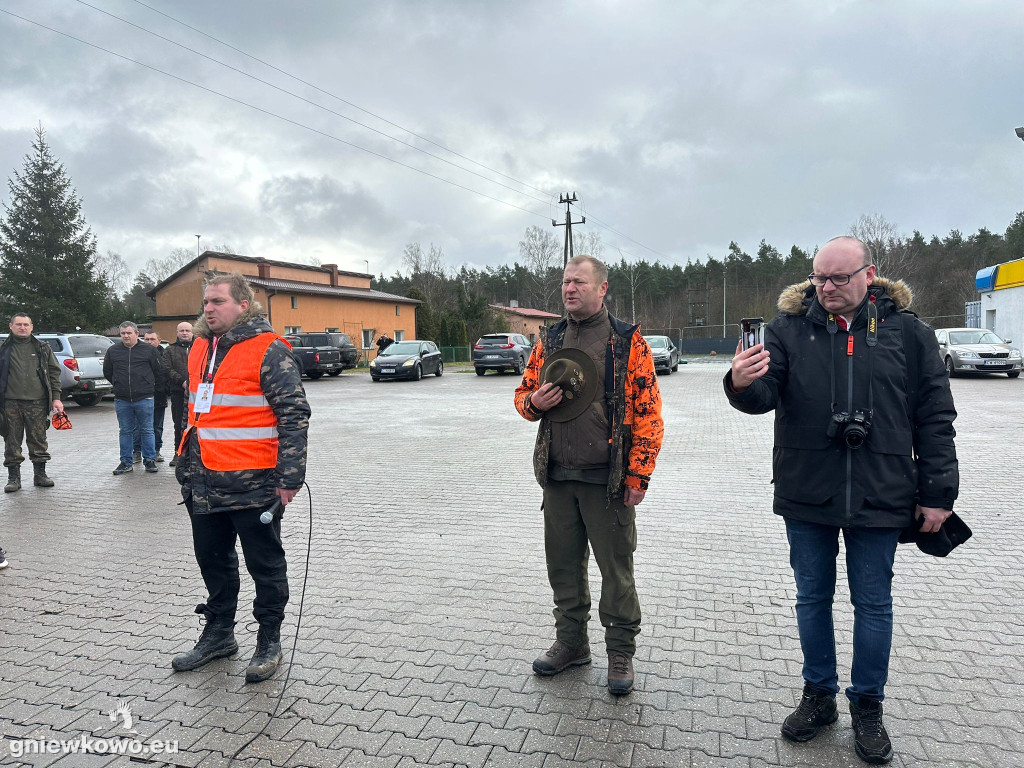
x,y
214,535
178,417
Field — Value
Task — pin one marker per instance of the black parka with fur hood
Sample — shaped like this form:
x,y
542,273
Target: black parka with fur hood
x,y
909,456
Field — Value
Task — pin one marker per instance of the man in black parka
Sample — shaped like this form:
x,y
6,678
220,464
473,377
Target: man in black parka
x,y
863,445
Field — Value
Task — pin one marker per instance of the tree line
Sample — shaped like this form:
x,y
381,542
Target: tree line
x,y
51,268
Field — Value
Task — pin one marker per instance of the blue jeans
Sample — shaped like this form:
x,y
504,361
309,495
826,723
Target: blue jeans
x,y
870,552
158,430
129,413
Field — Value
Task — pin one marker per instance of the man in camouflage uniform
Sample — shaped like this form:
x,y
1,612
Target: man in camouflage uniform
x,y
29,390
225,505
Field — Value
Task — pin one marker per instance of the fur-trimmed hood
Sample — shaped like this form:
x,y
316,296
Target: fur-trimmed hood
x,y
797,298
200,328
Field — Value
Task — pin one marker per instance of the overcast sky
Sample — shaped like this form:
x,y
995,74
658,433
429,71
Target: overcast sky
x,y
682,125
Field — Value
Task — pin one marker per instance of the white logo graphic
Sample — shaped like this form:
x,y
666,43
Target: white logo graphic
x,y
123,711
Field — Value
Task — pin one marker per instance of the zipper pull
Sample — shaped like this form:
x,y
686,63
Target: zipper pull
x,y
849,345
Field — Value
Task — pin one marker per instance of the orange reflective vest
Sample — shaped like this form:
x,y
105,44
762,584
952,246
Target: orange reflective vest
x,y
240,430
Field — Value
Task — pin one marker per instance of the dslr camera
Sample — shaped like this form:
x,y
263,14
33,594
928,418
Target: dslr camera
x,y
850,430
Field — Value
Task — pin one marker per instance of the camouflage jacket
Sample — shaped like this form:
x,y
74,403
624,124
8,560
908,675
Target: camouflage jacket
x,y
213,491
49,370
636,425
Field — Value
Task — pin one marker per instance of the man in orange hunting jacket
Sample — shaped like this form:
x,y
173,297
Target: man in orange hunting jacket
x,y
594,468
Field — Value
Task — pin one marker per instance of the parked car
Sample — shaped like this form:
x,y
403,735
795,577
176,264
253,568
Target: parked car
x,y
81,365
501,352
666,354
349,352
315,359
977,350
407,360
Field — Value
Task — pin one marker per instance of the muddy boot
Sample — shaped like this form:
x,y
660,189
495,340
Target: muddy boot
x,y
267,657
217,641
13,480
39,476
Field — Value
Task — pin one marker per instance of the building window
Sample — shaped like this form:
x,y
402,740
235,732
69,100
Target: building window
x,y
331,330
399,335
368,338
295,302
533,338
398,310
292,329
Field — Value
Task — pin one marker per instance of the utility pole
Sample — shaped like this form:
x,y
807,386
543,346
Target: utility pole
x,y
567,201
723,298
197,244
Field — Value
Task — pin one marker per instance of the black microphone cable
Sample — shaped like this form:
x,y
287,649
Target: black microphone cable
x,y
295,640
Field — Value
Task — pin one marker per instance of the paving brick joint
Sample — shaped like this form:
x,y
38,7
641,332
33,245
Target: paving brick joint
x,y
427,600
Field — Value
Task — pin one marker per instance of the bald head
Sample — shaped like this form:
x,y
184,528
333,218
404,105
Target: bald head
x,y
185,333
845,259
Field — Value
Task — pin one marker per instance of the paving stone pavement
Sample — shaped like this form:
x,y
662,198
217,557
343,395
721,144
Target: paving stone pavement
x,y
427,600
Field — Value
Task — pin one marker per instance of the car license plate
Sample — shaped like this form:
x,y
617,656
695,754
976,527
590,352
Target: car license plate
x,y
995,362
492,357
102,383
387,370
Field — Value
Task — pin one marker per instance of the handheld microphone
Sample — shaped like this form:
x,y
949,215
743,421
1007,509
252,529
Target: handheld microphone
x,y
268,516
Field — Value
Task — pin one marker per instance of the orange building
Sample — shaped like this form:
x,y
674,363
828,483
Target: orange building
x,y
529,322
295,298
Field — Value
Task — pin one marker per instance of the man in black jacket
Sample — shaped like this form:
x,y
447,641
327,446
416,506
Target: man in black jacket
x,y
134,369
176,371
159,402
863,445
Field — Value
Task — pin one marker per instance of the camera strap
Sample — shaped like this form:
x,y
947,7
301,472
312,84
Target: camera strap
x,y
872,340
833,328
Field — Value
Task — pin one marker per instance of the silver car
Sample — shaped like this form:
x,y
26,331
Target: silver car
x,y
80,356
977,350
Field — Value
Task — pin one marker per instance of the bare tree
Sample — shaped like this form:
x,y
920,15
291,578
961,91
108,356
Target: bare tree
x,y
890,250
589,243
539,251
427,270
114,270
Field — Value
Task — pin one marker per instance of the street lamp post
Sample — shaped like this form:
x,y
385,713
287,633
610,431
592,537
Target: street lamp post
x,y
197,244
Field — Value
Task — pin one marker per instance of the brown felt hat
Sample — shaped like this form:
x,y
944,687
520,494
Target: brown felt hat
x,y
572,370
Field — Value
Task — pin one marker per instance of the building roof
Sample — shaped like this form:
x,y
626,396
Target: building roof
x,y
250,259
296,286
526,312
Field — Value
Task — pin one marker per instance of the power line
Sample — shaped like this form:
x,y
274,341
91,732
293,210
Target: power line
x,y
317,88
307,101
339,98
272,114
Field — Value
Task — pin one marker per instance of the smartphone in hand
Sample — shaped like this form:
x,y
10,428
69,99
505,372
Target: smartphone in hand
x,y
751,332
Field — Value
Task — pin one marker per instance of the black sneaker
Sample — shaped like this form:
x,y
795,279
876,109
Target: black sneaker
x,y
816,709
150,465
159,457
870,737
137,457
122,468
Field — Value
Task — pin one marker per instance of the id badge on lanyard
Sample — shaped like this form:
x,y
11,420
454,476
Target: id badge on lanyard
x,y
204,392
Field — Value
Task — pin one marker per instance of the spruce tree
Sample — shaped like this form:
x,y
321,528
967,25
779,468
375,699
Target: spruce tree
x,y
47,251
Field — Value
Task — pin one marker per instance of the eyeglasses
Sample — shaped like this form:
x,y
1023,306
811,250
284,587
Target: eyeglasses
x,y
837,280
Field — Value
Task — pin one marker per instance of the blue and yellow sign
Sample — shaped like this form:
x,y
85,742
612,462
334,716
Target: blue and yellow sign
x,y
1008,275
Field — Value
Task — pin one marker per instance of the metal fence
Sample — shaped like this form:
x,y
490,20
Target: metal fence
x,y
456,354
700,339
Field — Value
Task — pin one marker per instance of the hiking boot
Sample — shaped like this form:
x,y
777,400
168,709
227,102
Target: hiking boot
x,y
174,461
158,457
150,465
870,738
816,709
3,558
559,657
137,457
13,480
216,641
121,468
620,673
39,476
268,654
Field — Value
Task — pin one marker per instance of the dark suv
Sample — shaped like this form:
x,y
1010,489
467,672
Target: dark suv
x,y
501,351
